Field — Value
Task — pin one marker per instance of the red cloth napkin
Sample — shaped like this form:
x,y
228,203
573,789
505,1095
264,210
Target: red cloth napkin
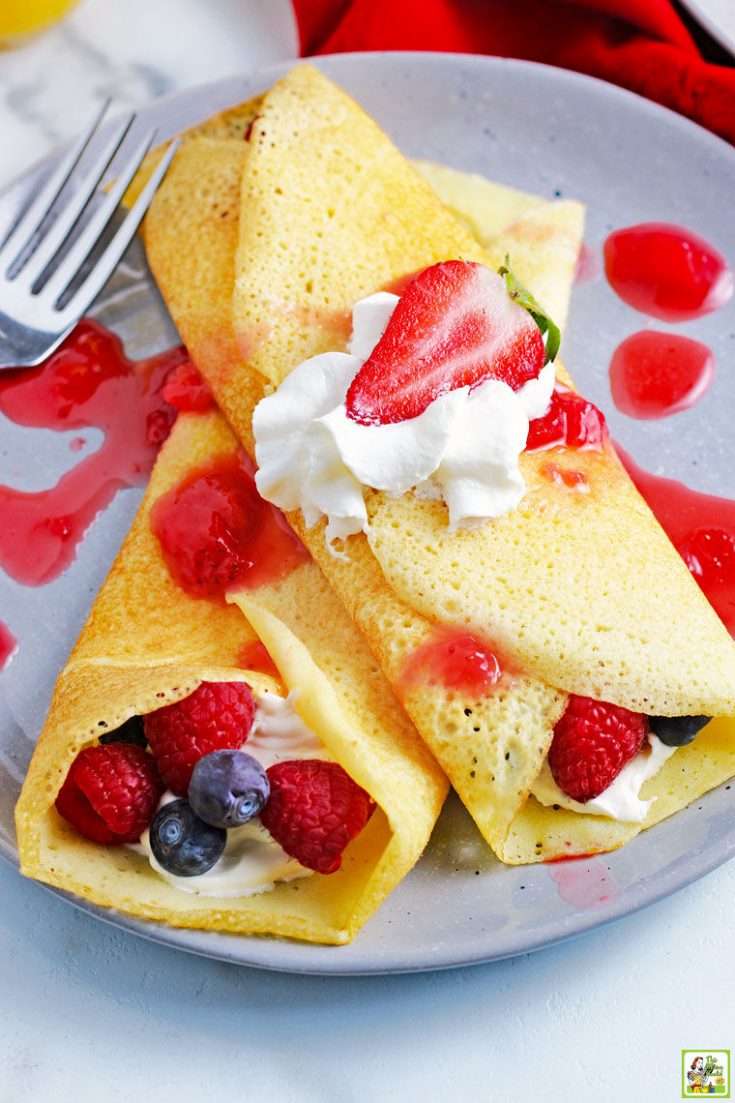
x,y
640,44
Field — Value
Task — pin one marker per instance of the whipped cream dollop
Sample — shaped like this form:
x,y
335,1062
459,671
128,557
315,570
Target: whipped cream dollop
x,y
463,448
621,800
252,861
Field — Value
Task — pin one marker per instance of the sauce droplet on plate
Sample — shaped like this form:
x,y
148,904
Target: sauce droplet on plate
x,y
88,381
455,659
584,881
702,529
8,645
655,374
666,271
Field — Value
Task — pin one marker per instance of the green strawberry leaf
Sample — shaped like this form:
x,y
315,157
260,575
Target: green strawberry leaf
x,y
524,298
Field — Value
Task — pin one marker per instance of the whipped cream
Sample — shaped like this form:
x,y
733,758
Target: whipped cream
x,y
252,861
621,800
463,448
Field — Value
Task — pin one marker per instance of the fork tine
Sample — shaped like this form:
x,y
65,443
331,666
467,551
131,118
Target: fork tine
x,y
57,234
89,237
34,215
107,263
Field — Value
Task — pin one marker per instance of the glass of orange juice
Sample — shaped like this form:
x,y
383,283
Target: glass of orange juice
x,y
20,18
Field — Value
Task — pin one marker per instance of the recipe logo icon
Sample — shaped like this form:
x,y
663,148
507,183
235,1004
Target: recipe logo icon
x,y
705,1072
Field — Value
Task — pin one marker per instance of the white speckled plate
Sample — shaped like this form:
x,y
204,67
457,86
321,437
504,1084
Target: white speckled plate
x,y
546,131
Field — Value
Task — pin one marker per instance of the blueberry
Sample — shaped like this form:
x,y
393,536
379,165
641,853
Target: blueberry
x,y
677,731
129,732
182,843
228,788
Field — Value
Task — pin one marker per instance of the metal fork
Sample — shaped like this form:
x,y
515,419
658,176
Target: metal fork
x,y
38,306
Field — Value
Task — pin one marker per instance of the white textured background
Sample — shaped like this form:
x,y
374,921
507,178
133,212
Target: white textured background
x,y
88,1013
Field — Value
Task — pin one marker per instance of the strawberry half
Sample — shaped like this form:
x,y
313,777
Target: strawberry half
x,y
454,326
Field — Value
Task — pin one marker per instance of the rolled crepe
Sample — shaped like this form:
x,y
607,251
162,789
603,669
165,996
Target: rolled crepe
x,y
146,643
581,593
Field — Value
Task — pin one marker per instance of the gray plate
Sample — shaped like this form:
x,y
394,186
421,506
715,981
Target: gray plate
x,y
546,131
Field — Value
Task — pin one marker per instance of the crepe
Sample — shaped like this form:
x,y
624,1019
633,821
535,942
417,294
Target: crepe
x,y
580,593
147,643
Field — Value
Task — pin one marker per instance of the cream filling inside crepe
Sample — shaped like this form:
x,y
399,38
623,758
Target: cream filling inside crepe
x,y
463,448
253,861
620,801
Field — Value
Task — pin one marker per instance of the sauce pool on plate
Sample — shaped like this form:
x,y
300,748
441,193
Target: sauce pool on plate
x,y
87,381
654,374
667,271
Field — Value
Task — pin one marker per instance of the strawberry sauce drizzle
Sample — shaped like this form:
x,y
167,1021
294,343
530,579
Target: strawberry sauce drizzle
x,y
570,422
254,656
702,529
655,374
186,391
219,536
8,645
583,881
88,381
561,476
667,271
454,659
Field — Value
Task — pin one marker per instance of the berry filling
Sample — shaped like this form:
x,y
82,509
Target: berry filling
x,y
595,742
592,743
315,810
285,816
216,716
110,793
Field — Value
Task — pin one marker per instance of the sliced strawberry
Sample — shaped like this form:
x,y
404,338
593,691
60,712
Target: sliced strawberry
x,y
454,326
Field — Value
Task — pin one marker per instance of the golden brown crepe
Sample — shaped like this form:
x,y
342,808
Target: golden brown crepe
x,y
580,593
147,643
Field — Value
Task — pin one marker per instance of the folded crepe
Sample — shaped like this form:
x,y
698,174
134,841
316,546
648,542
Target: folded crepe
x,y
580,593
147,643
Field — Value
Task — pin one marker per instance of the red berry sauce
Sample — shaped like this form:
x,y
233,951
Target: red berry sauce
x,y
254,656
573,480
570,422
8,645
217,534
667,271
655,374
455,659
88,381
702,529
584,881
186,390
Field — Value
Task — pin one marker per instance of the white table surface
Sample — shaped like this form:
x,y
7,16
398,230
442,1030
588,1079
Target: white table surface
x,y
88,1013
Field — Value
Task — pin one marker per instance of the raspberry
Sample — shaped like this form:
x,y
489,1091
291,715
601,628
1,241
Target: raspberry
x,y
216,716
592,743
110,793
314,810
